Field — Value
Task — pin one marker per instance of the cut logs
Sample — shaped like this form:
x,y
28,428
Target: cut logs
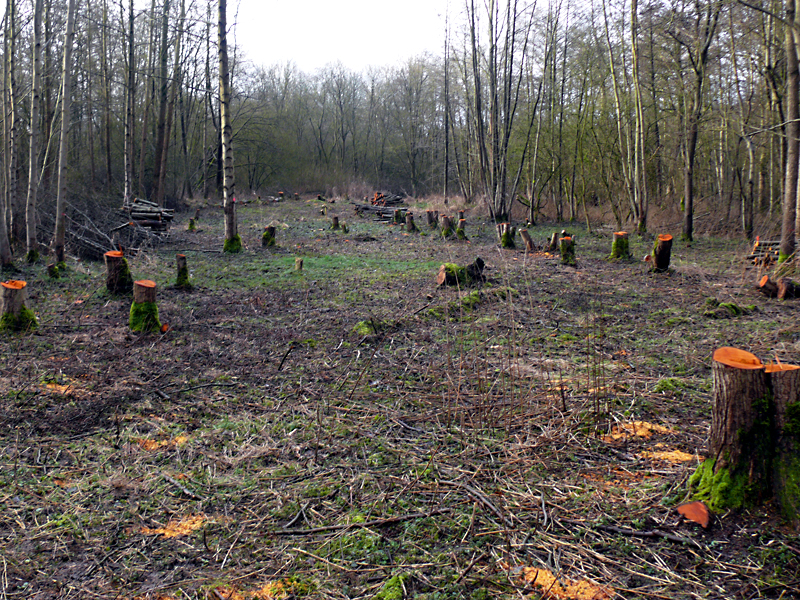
x,y
118,275
14,315
268,237
144,310
768,287
452,274
620,247
783,289
149,214
662,251
755,435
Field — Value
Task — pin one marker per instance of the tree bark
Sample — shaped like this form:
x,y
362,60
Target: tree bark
x,y
232,241
662,252
785,381
789,204
32,245
529,245
118,275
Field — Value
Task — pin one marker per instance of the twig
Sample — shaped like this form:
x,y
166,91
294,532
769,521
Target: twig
x,y
653,533
285,356
300,513
482,498
205,385
181,487
472,563
364,525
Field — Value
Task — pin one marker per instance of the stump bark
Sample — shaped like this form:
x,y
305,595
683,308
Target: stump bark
x,y
553,246
506,233
755,436
433,218
446,224
452,274
411,227
620,246
182,280
14,315
768,287
144,310
335,223
787,289
118,275
526,237
268,237
662,251
567,249
461,229
298,264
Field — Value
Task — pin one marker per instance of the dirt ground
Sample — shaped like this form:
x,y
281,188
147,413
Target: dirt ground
x,y
352,430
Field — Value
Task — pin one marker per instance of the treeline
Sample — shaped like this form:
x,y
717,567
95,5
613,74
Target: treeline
x,y
616,108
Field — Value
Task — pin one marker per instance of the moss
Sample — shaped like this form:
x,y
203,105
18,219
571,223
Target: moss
x,y
721,490
267,239
183,279
25,320
192,226
507,240
393,589
233,245
460,234
455,273
620,249
124,281
32,257
365,328
783,257
447,232
144,317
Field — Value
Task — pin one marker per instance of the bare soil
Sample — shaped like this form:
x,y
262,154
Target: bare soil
x,y
354,431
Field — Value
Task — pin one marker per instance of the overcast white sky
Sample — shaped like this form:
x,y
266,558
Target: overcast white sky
x,y
359,33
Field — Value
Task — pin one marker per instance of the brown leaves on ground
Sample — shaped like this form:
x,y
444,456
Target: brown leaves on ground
x,y
696,512
555,588
178,527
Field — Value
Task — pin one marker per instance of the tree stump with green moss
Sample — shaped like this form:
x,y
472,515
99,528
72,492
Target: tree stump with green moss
x,y
461,232
566,246
446,226
411,227
526,237
268,237
14,315
662,252
191,226
755,436
144,310
182,280
232,245
334,223
118,275
433,218
620,247
453,274
506,233
399,218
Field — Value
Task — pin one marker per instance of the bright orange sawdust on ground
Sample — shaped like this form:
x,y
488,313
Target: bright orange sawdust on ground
x,y
641,429
672,456
552,588
151,445
177,528
273,590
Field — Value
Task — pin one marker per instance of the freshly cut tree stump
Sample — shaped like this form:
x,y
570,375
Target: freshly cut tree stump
x,y
755,436
506,233
452,274
399,219
620,247
787,289
446,226
118,275
553,246
191,226
785,380
268,237
144,311
433,218
567,249
529,245
14,315
298,264
461,215
768,287
461,233
183,272
334,223
411,227
662,251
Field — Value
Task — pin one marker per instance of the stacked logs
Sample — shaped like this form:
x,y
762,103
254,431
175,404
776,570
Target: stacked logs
x,y
149,214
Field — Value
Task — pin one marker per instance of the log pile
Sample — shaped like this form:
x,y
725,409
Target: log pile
x,y
764,252
381,213
381,199
148,214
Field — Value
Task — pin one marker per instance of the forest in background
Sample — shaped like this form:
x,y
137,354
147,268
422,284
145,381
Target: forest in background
x,y
620,111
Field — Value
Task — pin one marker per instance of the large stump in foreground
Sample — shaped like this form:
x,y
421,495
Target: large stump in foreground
x,y
662,252
755,435
453,274
14,315
144,311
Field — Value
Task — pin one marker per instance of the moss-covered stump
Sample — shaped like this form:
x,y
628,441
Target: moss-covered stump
x,y
32,256
144,310
233,245
192,226
334,223
433,218
53,271
755,436
268,237
566,246
182,280
453,274
506,233
446,224
662,252
399,217
118,275
14,315
461,230
411,227
620,246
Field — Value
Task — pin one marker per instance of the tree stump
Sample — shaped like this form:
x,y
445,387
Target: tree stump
x,y
662,251
446,225
191,226
553,246
399,219
755,435
461,215
452,274
411,227
334,223
268,237
14,315
529,245
506,233
787,289
144,311
197,214
433,218
567,249
461,233
298,264
182,280
768,287
620,248
118,275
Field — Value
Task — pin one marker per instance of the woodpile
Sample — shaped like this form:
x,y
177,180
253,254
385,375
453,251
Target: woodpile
x,y
381,199
381,213
148,214
764,252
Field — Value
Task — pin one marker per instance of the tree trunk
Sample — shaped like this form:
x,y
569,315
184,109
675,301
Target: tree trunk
x,y
32,245
14,315
567,248
130,98
233,242
144,311
789,205
6,256
662,252
785,381
66,103
162,103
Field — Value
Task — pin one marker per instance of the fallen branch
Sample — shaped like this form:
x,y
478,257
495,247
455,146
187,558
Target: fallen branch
x,y
364,525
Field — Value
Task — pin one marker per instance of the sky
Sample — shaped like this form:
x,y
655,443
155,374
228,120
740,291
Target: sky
x,y
359,33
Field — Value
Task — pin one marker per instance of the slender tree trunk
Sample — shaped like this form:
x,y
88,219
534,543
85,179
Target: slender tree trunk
x,y
6,256
66,104
163,81
107,97
32,246
149,98
130,98
232,240
792,136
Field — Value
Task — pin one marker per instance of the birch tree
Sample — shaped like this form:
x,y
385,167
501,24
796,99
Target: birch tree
x,y
233,243
32,247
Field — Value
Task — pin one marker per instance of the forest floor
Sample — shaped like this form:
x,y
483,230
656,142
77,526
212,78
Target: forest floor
x,y
354,431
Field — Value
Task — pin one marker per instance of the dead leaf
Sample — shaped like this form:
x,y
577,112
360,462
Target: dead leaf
x,y
697,512
564,589
176,528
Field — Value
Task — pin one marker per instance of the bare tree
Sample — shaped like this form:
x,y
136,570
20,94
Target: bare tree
x,y
32,246
233,242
